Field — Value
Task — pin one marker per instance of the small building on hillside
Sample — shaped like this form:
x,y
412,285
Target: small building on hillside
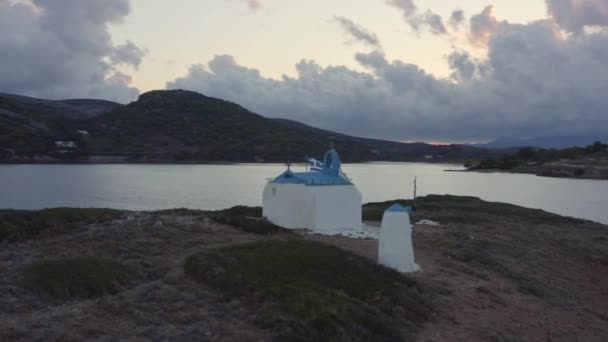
x,y
323,200
65,144
395,248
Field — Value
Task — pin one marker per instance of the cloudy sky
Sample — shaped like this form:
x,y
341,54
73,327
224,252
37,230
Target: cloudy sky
x,y
406,70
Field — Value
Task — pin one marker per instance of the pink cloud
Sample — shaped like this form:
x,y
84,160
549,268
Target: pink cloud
x,y
254,4
484,26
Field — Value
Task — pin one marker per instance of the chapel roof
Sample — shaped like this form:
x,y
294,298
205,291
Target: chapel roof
x,y
311,178
398,208
330,173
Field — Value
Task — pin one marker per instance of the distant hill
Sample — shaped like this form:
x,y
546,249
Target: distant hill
x,y
558,142
184,126
30,126
43,109
575,162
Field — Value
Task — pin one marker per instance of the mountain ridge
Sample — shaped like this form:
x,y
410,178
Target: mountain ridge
x,y
556,142
184,126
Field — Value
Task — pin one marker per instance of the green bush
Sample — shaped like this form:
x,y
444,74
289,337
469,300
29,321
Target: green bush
x,y
247,219
75,277
241,210
19,225
181,212
312,291
465,209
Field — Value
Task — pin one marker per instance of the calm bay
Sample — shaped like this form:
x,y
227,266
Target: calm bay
x,y
151,187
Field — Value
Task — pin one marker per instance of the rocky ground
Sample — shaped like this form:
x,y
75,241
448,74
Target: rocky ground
x,y
493,272
159,304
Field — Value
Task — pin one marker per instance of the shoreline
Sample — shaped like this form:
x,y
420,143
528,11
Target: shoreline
x,y
410,202
531,172
142,160
218,163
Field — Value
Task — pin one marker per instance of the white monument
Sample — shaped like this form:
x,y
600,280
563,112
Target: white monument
x,y
395,248
323,200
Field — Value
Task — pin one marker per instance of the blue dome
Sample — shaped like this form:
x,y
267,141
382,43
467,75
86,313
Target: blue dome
x,y
329,175
398,208
331,162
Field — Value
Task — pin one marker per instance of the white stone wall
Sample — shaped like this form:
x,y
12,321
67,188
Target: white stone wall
x,y
336,208
324,209
288,205
395,248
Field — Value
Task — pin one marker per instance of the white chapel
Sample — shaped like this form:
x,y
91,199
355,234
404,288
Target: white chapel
x,y
323,199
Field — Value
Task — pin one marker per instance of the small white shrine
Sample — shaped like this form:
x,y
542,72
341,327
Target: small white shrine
x,y
395,248
323,199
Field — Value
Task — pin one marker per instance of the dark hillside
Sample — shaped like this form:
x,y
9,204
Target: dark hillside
x,y
44,109
182,126
30,126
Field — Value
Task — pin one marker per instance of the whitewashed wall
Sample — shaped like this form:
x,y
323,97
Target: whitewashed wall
x,y
395,249
288,205
325,209
336,208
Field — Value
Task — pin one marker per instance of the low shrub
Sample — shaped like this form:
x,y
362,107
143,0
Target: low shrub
x,y
247,219
76,277
19,225
241,210
465,209
312,291
181,212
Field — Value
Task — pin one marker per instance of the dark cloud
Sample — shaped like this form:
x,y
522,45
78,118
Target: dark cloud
x,y
63,49
535,81
434,23
417,20
462,65
129,54
358,32
575,15
457,19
